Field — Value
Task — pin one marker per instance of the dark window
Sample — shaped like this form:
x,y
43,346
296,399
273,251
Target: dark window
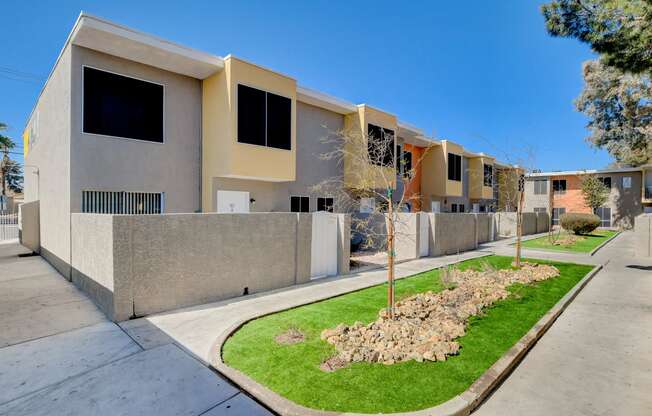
x,y
488,175
454,167
483,208
556,214
453,207
606,181
119,106
264,119
325,204
279,122
407,163
559,186
300,204
540,186
380,145
461,208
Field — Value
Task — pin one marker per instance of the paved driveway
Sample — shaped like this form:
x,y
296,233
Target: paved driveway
x,y
59,355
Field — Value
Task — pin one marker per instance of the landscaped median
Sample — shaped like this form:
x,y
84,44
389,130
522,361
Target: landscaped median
x,y
286,353
565,241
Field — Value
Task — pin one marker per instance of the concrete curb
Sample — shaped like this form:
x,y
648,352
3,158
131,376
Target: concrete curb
x,y
604,243
460,405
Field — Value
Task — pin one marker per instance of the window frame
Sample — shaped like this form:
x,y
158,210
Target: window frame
x,y
559,192
126,76
237,117
629,179
456,172
560,211
391,158
300,197
484,175
326,198
538,184
604,179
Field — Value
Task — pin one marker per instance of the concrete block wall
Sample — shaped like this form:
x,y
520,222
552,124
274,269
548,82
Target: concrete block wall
x,y
543,222
506,223
406,244
643,236
452,233
138,265
29,229
485,228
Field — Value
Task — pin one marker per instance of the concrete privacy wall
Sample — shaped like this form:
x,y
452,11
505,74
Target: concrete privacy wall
x,y
406,244
506,224
485,228
29,230
543,222
643,235
452,233
138,265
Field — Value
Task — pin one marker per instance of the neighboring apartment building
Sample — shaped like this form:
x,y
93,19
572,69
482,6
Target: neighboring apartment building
x,y
130,123
562,191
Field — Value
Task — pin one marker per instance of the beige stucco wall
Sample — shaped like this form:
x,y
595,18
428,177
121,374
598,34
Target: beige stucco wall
x,y
643,236
115,164
452,233
47,164
29,232
477,189
506,223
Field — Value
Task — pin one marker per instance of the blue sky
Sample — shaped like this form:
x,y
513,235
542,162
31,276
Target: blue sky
x,y
481,73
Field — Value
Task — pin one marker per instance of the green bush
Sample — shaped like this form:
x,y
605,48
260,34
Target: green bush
x,y
579,223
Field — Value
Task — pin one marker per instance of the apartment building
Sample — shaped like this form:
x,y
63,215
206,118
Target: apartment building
x,y
562,192
129,123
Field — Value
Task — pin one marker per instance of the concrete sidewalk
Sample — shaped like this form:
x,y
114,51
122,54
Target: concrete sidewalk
x,y
59,355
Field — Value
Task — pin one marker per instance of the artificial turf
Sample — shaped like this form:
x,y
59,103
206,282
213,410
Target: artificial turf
x,y
293,370
585,245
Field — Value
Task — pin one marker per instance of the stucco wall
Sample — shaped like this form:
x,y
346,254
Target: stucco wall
x,y
506,223
625,203
29,226
114,164
406,243
643,235
47,165
452,233
533,200
485,227
134,265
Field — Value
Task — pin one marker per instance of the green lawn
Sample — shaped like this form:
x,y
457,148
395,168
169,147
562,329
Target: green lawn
x,y
293,370
586,245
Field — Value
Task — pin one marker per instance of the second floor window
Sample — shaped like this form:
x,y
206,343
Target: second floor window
x,y
488,175
264,119
380,145
454,167
540,186
559,186
606,181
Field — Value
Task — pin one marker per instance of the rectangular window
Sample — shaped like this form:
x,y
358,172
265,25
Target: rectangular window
x,y
483,208
453,207
556,214
299,204
325,204
627,182
539,210
264,119
120,106
367,205
110,202
606,181
605,216
540,186
380,145
559,186
407,163
454,167
488,175
461,208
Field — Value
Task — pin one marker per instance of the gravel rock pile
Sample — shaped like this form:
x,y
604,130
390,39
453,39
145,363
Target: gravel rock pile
x,y
425,325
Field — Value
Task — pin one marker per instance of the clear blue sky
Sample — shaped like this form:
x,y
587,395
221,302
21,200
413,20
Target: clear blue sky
x,y
481,73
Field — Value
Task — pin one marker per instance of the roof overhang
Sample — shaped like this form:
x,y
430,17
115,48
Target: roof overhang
x,y
585,172
117,40
325,101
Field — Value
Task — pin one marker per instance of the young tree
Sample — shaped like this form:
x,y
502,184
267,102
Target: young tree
x,y
371,168
594,192
619,30
11,175
619,107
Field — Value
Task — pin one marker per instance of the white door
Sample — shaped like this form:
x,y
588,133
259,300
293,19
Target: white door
x,y
476,208
424,234
435,206
233,201
323,253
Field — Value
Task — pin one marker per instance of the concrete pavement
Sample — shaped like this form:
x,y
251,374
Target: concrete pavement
x,y
597,357
60,355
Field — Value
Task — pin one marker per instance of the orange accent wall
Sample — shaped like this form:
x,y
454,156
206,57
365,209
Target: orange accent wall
x,y
413,190
572,200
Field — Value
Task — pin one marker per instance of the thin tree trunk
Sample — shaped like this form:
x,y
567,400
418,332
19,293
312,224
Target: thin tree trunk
x,y
390,261
519,228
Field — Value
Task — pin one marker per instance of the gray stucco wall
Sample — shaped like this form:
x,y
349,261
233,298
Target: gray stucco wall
x,y
313,126
134,265
47,165
485,227
115,164
29,232
452,233
506,223
625,203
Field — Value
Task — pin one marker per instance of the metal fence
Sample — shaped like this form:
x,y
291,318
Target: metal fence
x,y
112,202
8,226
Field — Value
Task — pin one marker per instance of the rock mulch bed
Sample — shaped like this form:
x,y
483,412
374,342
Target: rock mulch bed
x,y
425,325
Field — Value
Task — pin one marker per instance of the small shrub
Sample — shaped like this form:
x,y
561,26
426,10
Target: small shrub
x,y
579,223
